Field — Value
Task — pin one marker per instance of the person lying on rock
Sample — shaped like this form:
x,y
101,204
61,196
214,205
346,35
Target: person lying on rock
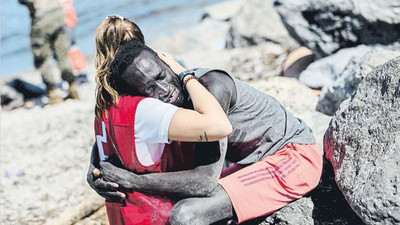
x,y
275,158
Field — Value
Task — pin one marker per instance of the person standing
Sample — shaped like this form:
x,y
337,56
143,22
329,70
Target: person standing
x,y
47,38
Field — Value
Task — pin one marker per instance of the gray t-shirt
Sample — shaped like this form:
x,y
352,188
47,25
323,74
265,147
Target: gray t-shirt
x,y
261,126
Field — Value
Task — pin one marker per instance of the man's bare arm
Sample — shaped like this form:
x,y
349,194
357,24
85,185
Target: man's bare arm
x,y
200,181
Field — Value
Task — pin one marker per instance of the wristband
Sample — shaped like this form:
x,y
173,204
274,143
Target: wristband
x,y
187,80
182,73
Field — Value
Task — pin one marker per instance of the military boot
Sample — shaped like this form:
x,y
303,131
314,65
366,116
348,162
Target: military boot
x,y
73,92
54,98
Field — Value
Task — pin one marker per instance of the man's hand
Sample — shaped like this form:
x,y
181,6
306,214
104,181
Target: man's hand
x,y
111,173
107,190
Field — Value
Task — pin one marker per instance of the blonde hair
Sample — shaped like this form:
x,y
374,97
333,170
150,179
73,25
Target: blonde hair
x,y
111,34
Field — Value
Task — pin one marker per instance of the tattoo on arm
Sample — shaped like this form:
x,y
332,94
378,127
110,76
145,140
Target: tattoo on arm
x,y
205,137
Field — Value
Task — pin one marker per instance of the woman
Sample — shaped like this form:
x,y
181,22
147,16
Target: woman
x,y
138,130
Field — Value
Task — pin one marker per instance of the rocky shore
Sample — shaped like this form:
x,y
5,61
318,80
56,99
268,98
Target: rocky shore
x,y
45,150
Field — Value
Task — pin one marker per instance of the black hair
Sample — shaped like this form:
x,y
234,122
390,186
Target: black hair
x,y
123,59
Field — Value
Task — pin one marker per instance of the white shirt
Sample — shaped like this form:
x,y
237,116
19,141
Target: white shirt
x,y
152,121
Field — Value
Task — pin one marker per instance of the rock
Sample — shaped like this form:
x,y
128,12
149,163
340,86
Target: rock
x,y
297,212
223,11
338,75
318,123
209,34
326,26
342,72
330,206
345,86
256,62
254,23
325,71
362,143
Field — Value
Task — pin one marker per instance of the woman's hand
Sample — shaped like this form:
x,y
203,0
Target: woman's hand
x,y
171,62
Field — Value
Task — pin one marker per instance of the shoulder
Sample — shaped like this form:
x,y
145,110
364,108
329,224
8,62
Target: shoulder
x,y
218,80
221,85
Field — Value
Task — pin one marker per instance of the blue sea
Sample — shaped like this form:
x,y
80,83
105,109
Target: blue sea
x,y
155,17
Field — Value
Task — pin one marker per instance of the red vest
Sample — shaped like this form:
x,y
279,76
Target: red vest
x,y
115,137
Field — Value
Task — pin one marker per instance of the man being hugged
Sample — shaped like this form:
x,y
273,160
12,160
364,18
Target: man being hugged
x,y
275,156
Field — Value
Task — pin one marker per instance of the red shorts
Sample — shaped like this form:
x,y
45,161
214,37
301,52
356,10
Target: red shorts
x,y
274,181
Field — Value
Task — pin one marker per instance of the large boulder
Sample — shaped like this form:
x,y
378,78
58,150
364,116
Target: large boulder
x,y
363,145
338,75
258,22
326,26
326,71
346,84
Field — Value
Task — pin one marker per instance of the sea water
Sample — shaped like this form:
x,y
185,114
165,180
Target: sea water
x,y
155,17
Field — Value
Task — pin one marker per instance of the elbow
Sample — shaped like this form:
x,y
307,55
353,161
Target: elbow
x,y
226,129
218,129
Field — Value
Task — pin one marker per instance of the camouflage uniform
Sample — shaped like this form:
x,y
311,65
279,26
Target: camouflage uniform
x,y
47,36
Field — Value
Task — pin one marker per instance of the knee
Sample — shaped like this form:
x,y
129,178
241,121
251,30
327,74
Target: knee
x,y
182,214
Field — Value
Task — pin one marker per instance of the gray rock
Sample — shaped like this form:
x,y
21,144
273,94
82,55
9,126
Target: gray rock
x,y
258,22
330,206
318,124
347,81
326,26
297,212
325,71
363,142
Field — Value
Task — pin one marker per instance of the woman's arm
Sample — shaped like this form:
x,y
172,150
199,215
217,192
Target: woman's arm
x,y
200,181
207,122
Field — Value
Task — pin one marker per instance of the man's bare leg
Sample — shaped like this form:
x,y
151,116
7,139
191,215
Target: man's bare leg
x,y
205,210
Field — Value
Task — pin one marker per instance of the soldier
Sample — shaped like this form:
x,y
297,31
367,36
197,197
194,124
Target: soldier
x,y
47,36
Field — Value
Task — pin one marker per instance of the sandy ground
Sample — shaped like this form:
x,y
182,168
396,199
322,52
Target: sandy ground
x,y
44,158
